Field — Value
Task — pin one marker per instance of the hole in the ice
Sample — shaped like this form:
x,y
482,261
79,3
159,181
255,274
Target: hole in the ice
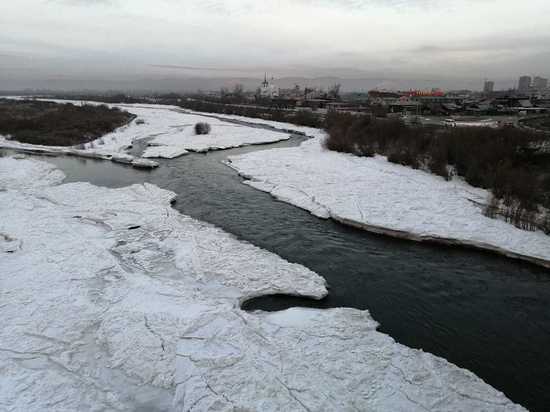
x,y
273,303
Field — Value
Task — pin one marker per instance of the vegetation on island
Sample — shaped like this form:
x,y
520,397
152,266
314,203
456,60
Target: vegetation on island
x,y
202,128
55,124
512,163
298,117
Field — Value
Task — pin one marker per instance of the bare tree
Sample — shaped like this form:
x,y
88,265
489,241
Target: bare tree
x,y
334,91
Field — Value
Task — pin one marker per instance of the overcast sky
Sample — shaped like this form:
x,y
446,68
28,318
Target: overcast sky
x,y
113,39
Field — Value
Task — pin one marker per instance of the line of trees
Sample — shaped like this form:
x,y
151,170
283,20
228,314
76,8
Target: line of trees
x,y
504,161
54,124
299,117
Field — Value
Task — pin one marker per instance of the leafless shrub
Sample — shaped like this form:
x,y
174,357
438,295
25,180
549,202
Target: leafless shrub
x,y
202,128
501,160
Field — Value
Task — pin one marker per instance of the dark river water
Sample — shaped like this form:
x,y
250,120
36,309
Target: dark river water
x,y
483,312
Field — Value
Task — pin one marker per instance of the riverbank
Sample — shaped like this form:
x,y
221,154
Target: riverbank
x,y
148,316
382,197
58,123
169,132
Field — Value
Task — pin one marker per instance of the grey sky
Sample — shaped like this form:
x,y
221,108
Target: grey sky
x,y
402,39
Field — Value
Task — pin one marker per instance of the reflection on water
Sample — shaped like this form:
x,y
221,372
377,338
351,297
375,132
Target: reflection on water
x,y
481,311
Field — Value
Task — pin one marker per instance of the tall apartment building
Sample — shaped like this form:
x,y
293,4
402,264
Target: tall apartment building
x,y
489,86
524,84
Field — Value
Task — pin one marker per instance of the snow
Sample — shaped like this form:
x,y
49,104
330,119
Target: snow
x,y
223,135
25,174
487,123
170,131
115,301
89,153
374,194
283,126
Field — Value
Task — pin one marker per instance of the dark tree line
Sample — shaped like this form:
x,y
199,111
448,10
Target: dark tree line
x,y
54,124
299,117
504,160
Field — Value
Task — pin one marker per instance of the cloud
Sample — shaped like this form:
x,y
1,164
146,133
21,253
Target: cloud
x,y
488,44
302,37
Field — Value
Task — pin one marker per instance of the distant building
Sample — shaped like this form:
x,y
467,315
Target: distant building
x,y
295,93
425,93
524,84
540,84
489,86
383,97
268,90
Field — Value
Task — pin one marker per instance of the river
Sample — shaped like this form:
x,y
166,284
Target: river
x,y
481,311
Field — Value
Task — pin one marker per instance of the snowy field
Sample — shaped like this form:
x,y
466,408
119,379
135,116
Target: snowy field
x,y
181,139
308,131
171,134
383,197
112,300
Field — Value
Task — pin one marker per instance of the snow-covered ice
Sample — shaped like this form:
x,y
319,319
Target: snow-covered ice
x,y
383,197
112,300
223,135
170,131
290,127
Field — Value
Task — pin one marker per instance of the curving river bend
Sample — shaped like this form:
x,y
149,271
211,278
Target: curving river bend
x,y
481,311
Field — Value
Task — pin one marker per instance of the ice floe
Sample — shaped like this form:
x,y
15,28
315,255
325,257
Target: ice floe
x,y
115,301
374,194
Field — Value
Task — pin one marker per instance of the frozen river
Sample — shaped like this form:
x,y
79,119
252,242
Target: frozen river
x,y
483,312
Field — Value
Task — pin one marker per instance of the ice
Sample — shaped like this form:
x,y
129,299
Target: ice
x,y
115,301
23,174
376,195
169,131
223,135
283,126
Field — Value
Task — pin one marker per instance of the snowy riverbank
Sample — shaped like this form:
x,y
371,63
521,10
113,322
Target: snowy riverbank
x,y
112,300
382,197
170,133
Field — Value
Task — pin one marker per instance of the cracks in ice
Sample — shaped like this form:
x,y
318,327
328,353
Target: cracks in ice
x,y
48,338
291,393
23,353
192,406
214,392
363,219
406,395
94,221
153,332
61,367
